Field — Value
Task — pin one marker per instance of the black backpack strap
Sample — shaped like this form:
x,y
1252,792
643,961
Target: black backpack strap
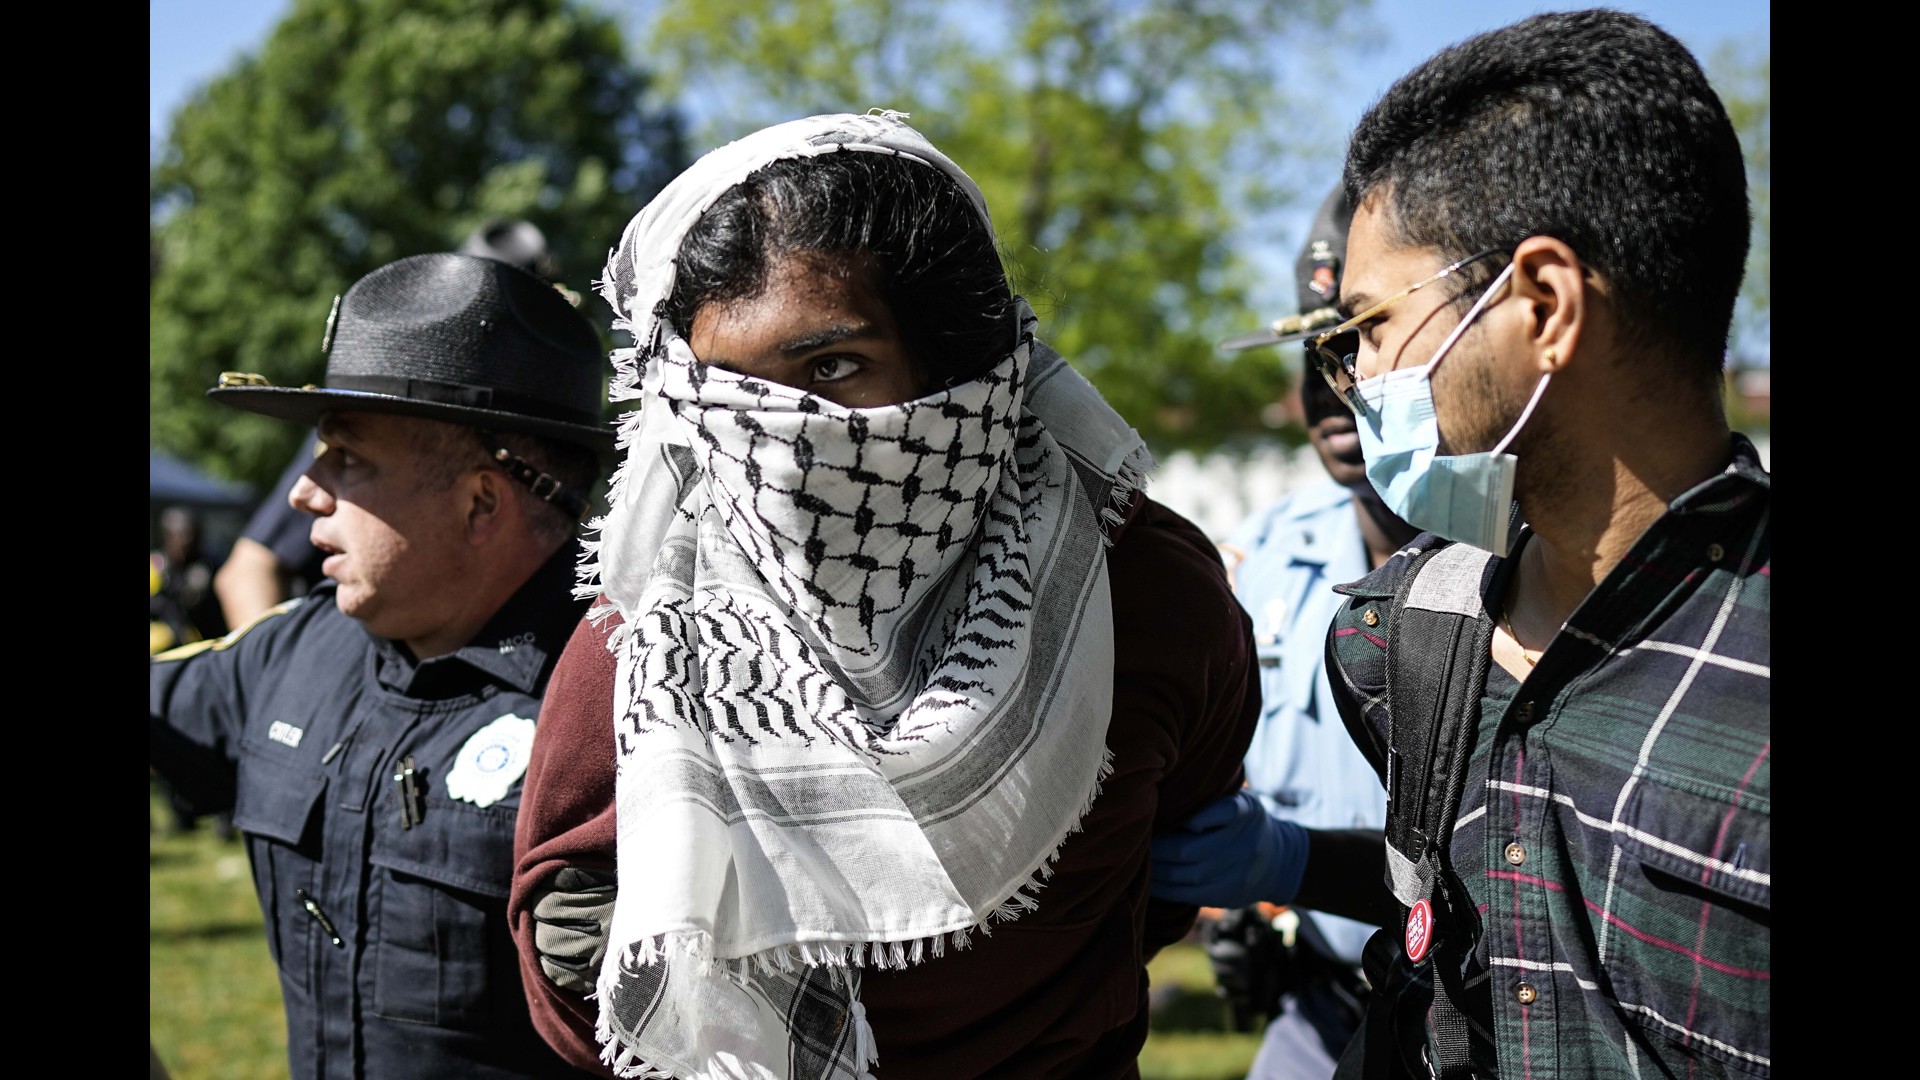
x,y
1439,639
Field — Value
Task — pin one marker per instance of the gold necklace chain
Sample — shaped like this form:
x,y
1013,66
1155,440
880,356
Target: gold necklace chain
x,y
1508,616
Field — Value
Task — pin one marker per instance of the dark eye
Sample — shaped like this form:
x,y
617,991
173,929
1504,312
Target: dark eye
x,y
828,369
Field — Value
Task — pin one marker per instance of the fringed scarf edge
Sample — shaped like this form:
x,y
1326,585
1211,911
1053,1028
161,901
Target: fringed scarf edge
x,y
691,950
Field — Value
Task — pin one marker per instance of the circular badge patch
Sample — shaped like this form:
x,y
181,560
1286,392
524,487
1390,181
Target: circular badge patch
x,y
1419,931
491,761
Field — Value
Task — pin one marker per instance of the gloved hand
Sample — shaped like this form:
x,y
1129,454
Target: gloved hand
x,y
1230,854
571,918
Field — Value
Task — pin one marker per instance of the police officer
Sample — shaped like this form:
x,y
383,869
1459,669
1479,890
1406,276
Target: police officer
x,y
1302,764
271,559
370,737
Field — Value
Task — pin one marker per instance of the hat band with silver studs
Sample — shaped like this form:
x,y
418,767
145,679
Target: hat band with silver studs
x,y
464,395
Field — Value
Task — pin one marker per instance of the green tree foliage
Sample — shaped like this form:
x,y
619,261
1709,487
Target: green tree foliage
x,y
1742,73
1132,153
362,132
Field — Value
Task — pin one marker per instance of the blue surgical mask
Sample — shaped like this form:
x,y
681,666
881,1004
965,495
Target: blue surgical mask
x,y
1463,497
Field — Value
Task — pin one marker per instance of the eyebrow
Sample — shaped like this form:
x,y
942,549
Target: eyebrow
x,y
795,347
828,335
1348,305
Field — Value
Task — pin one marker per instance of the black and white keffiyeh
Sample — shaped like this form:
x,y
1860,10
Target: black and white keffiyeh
x,y
865,664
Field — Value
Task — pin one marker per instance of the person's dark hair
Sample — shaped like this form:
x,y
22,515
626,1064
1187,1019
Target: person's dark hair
x,y
933,256
1594,127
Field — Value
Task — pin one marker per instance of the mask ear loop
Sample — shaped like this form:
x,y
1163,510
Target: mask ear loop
x,y
1539,389
1467,321
1440,354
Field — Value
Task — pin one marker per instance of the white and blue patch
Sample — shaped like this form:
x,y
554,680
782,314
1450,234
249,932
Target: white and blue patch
x,y
492,761
283,732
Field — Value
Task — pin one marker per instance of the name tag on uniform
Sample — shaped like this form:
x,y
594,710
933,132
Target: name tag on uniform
x,y
493,759
282,732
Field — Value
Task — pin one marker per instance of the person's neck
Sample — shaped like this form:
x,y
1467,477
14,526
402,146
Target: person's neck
x,y
494,579
1597,507
452,635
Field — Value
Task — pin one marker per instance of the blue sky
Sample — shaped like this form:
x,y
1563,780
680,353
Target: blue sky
x,y
1415,29
192,41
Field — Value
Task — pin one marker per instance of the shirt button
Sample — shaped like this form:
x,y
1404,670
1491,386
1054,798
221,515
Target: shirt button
x,y
1525,993
1370,618
1516,854
1715,553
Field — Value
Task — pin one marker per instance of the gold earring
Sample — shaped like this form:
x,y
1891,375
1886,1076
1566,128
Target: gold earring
x,y
1552,356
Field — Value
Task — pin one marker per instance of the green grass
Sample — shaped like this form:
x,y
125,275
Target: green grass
x,y
1189,1036
214,999
214,1011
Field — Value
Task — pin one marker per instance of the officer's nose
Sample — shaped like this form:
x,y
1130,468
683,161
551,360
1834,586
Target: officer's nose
x,y
310,497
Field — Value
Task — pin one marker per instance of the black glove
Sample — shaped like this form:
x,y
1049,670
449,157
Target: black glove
x,y
1250,964
571,916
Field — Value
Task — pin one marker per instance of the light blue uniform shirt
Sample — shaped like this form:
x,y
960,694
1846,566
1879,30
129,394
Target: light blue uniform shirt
x,y
1302,763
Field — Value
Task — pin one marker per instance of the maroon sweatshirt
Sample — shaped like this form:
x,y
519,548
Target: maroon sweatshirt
x,y
1061,991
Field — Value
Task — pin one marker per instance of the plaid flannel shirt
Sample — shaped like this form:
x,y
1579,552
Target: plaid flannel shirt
x,y
1614,827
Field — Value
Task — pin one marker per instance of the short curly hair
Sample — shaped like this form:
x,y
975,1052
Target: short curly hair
x,y
1594,127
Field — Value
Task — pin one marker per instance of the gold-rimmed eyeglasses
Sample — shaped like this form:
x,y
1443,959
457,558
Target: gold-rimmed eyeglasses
x,y
1333,350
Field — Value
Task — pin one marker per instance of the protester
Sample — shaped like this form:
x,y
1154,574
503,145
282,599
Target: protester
x,y
370,737
890,639
1565,685
1302,764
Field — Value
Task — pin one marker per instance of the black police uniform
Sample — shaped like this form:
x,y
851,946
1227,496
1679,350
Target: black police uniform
x,y
385,899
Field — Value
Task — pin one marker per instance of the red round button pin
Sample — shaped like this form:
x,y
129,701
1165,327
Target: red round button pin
x,y
1419,931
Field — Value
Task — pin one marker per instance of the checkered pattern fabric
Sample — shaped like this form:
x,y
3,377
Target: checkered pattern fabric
x,y
854,511
864,664
1614,828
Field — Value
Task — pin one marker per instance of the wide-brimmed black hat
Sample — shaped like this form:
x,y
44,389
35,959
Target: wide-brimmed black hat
x,y
460,338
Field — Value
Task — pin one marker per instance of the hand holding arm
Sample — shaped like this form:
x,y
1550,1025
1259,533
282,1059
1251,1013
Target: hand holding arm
x,y
1230,854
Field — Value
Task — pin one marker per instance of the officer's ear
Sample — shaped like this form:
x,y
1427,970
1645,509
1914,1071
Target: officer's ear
x,y
487,502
